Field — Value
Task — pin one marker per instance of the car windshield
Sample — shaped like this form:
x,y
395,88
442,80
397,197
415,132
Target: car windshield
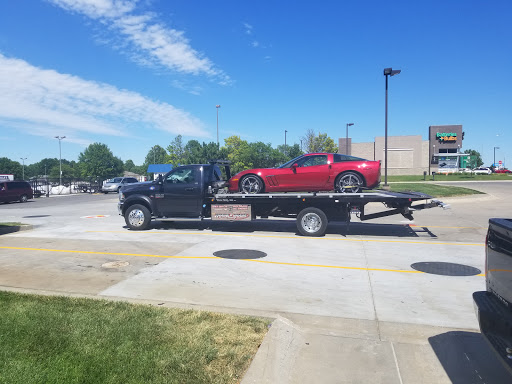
x,y
291,162
115,180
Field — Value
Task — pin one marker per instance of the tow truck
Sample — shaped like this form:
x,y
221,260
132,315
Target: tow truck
x,y
199,191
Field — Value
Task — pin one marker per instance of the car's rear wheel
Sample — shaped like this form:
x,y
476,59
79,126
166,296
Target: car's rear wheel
x,y
23,198
137,217
348,182
251,184
311,222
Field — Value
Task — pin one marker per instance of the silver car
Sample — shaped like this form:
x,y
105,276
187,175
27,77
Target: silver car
x,y
115,184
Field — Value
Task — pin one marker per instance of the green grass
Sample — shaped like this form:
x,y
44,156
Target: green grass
x,y
452,177
434,190
11,224
69,340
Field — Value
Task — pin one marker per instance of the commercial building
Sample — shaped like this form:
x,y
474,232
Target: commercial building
x,y
411,155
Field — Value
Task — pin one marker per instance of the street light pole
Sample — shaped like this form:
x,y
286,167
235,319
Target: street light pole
x,y
23,172
387,72
217,106
285,151
346,138
494,161
60,158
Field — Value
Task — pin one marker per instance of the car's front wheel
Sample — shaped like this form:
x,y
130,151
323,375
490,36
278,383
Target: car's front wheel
x,y
251,184
348,182
137,217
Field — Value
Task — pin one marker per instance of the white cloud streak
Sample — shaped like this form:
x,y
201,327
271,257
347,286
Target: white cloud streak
x,y
151,41
47,100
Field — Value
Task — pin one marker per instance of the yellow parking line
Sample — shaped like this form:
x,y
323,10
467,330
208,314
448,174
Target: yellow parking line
x,y
213,257
289,237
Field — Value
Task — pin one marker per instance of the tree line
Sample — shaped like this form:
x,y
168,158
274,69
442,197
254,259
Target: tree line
x,y
97,160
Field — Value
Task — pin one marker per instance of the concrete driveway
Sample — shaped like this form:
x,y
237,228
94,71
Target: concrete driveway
x,y
353,306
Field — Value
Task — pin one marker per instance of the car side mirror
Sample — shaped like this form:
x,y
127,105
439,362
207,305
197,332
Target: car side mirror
x,y
294,167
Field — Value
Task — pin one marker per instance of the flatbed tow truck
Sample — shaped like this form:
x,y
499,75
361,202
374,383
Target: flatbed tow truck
x,y
198,192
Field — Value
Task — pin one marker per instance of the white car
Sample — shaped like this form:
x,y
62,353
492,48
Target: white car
x,y
482,171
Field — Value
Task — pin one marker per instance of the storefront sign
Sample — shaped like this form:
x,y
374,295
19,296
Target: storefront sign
x,y
446,137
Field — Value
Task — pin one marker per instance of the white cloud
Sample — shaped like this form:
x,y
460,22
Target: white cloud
x,y
248,28
47,101
255,44
150,41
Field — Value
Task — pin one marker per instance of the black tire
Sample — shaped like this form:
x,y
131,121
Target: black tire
x,y
251,184
23,198
312,222
348,182
137,217
106,193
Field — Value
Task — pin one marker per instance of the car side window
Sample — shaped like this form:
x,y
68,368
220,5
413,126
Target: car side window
x,y
339,158
314,160
182,176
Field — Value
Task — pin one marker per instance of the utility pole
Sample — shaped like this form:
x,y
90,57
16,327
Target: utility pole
x,y
60,158
23,160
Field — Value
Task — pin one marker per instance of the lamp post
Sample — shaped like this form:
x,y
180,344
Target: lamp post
x,y
494,161
217,106
285,151
346,138
23,171
60,158
387,72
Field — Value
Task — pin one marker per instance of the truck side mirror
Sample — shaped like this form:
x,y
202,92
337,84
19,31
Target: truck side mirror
x,y
160,178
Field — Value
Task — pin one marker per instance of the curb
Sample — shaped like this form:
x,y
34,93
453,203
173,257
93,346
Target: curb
x,y
15,228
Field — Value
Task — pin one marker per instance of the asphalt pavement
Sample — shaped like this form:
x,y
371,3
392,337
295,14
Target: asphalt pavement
x,y
351,307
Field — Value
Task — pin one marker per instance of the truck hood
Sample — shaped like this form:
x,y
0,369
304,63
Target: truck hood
x,y
138,187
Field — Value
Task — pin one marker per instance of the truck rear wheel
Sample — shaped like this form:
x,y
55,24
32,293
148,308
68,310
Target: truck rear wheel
x,y
312,222
137,217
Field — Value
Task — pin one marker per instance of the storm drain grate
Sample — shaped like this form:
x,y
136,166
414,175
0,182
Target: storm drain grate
x,y
239,254
446,269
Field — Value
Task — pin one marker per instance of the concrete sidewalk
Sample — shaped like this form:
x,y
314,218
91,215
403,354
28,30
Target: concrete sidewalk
x,y
314,349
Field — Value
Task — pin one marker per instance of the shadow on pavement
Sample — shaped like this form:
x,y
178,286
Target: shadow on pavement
x,y
289,226
467,358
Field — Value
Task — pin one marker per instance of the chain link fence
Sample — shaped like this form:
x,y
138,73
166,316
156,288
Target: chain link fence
x,y
65,186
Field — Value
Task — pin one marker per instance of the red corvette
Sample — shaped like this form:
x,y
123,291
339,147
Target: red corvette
x,y
312,172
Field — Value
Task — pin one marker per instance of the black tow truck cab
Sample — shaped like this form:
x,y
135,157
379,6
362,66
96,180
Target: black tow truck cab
x,y
199,191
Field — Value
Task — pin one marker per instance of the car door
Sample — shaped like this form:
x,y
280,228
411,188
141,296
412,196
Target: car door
x,y
182,193
311,173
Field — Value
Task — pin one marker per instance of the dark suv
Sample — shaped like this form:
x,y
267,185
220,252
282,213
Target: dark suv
x,y
15,191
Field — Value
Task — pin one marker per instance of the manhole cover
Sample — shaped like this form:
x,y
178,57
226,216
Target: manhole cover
x,y
32,217
116,264
239,254
446,269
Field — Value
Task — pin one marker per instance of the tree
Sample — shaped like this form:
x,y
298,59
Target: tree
x,y
9,167
291,151
238,153
475,159
320,143
129,165
176,152
98,160
67,171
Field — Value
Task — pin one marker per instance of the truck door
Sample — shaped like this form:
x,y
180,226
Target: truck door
x,y
182,193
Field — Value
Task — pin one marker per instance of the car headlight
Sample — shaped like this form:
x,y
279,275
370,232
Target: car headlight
x,y
121,196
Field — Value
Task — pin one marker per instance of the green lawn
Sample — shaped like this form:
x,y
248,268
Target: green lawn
x,y
69,340
434,190
452,177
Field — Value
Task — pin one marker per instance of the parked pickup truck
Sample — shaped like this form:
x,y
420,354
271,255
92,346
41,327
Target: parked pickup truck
x,y
494,306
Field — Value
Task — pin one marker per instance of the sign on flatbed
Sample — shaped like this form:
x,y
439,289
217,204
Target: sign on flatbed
x,y
231,212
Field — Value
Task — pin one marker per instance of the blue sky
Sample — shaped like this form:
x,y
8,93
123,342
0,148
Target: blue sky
x,y
132,74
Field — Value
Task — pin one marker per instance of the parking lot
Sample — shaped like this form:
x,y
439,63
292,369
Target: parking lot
x,y
353,305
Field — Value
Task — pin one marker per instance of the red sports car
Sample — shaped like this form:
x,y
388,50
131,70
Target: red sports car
x,y
311,173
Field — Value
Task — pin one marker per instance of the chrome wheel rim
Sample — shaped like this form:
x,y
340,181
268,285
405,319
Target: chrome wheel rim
x,y
349,183
136,218
311,222
251,184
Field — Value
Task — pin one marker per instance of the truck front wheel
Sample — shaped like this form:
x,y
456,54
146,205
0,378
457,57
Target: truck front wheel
x,y
312,222
137,217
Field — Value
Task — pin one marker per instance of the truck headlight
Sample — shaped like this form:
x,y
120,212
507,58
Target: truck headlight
x,y
121,196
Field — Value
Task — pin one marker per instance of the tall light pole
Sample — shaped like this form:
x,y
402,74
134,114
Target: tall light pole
x,y
387,72
23,160
60,158
285,151
346,138
494,162
217,106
